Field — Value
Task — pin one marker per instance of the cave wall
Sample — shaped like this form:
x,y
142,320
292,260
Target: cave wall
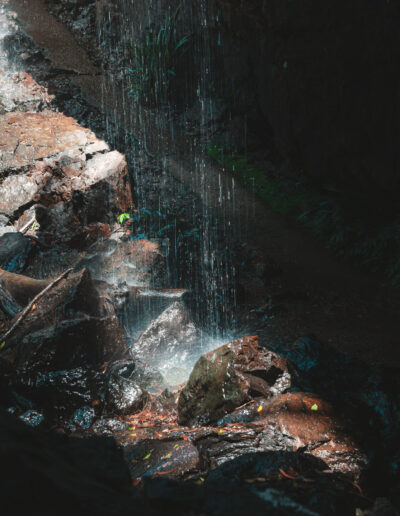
x,y
319,81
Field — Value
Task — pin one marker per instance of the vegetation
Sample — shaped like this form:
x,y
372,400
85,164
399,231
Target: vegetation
x,y
344,222
154,61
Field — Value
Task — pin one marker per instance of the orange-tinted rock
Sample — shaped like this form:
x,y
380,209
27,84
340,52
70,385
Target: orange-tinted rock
x,y
48,158
229,376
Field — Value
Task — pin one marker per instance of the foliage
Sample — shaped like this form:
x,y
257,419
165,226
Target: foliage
x,y
123,217
248,175
342,221
154,61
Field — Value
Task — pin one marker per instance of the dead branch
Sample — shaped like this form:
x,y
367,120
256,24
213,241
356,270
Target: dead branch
x,y
26,310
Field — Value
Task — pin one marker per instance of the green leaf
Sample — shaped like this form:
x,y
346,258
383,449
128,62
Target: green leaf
x,y
314,407
2,344
123,217
147,456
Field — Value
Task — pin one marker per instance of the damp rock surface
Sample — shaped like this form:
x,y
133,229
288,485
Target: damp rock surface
x,y
230,376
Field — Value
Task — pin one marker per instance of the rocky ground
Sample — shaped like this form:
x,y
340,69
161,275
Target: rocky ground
x,y
98,413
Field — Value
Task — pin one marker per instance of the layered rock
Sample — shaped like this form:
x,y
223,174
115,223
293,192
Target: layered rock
x,y
229,376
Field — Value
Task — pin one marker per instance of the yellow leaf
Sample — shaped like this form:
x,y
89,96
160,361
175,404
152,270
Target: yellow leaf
x,y
221,431
133,435
147,456
259,408
168,456
2,344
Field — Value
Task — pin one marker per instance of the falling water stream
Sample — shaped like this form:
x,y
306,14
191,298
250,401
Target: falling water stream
x,y
204,264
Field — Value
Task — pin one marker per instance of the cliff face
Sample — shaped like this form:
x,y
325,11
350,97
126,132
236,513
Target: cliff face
x,y
316,80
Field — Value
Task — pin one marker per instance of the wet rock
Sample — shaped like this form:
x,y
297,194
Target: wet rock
x,y
32,418
66,164
69,298
368,395
138,262
89,341
108,426
14,251
155,458
60,393
123,396
82,417
20,92
295,422
168,340
229,376
69,473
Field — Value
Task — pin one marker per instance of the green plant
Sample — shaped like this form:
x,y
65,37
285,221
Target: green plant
x,y
154,61
249,175
123,217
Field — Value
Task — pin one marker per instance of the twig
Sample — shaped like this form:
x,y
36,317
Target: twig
x,y
25,228
26,310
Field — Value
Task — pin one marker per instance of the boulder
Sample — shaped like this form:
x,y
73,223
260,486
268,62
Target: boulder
x,y
48,158
123,396
60,393
169,340
68,473
229,376
292,422
74,296
85,341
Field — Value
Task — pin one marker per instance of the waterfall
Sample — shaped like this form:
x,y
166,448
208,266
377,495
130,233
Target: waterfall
x,y
149,134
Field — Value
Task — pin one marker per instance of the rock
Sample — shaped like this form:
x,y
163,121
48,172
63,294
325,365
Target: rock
x,y
229,376
22,288
73,296
368,395
20,92
60,393
123,396
59,471
82,417
14,251
62,165
89,341
154,458
169,340
32,418
295,422
138,262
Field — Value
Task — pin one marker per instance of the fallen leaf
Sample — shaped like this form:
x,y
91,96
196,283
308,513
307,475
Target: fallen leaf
x,y
147,456
286,475
259,408
2,344
314,407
